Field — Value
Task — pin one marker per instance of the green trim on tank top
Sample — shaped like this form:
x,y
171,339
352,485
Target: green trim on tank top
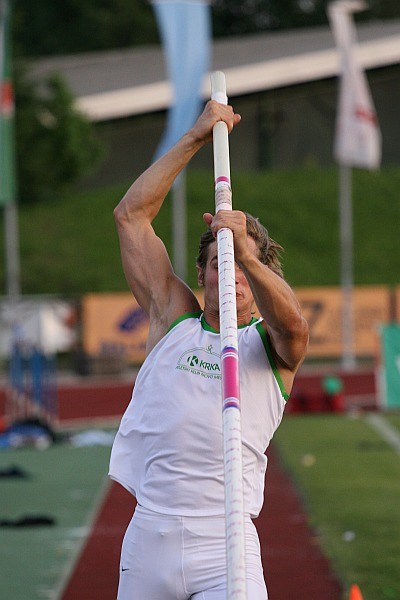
x,y
264,338
189,315
208,327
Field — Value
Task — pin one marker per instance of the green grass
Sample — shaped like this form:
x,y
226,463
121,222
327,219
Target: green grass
x,y
394,419
353,485
70,246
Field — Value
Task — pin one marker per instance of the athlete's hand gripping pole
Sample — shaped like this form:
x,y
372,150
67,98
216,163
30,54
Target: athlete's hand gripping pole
x,y
234,509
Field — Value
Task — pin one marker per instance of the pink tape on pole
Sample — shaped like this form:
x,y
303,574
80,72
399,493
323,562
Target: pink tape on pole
x,y
230,383
223,179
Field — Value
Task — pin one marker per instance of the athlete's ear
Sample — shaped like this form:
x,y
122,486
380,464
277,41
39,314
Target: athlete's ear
x,y
200,276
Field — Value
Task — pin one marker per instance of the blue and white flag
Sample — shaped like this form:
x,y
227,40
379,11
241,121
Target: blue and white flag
x,y
185,30
358,137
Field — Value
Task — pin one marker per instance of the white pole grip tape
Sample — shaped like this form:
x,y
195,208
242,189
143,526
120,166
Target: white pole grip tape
x,y
222,177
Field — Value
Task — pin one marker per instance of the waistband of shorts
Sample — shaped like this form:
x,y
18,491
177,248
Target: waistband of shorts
x,y
148,513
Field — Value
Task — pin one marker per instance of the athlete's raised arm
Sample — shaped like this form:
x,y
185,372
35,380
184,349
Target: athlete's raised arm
x,y
145,260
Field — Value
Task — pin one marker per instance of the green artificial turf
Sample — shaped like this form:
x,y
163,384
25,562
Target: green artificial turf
x,y
63,483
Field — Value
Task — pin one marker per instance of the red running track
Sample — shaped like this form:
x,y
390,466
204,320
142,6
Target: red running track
x,y
87,400
294,565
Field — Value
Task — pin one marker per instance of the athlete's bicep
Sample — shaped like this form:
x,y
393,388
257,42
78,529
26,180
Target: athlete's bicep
x,y
145,262
151,278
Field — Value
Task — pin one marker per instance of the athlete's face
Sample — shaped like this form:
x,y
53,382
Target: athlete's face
x,y
209,279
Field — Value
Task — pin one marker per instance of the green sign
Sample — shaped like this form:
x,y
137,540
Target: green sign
x,y
390,343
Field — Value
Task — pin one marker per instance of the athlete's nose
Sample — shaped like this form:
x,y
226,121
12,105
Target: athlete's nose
x,y
238,273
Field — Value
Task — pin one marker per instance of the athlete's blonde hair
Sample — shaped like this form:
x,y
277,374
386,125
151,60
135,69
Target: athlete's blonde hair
x,y
268,250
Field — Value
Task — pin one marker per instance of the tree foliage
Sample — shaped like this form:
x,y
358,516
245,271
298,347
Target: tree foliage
x,y
248,16
55,143
46,27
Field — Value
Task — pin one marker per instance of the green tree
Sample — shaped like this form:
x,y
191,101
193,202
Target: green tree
x,y
48,27
44,27
55,144
248,16
384,9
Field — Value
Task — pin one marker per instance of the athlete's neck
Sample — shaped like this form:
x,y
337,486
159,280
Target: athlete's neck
x,y
212,318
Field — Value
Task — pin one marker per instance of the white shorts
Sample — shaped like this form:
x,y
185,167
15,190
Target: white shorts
x,y
180,558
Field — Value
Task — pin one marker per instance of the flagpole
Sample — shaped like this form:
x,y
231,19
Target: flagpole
x,y
179,226
13,281
347,283
7,158
357,144
185,31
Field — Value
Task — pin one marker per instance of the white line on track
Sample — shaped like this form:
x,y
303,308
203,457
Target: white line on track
x,y
390,434
77,542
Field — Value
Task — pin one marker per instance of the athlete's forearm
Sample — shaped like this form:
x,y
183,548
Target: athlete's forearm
x,y
274,298
279,308
146,195
144,198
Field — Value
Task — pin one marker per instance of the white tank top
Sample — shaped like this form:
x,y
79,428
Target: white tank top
x,y
168,451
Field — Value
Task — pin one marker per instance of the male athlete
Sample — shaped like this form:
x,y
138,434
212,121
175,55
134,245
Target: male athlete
x,y
168,451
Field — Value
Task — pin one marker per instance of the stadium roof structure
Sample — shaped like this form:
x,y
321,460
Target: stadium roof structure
x,y
121,83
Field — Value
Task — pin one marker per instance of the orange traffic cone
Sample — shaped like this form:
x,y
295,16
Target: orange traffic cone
x,y
355,593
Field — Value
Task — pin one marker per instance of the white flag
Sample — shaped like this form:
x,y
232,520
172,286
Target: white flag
x,y
358,138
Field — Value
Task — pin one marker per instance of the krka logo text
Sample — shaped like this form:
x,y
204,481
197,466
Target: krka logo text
x,y
201,361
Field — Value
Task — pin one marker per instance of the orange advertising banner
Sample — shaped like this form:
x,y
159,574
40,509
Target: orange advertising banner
x,y
396,307
115,325
322,307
